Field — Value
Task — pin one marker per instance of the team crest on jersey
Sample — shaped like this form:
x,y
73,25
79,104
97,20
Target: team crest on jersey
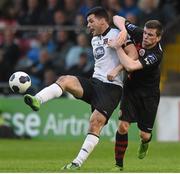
x,y
131,27
141,52
105,41
99,52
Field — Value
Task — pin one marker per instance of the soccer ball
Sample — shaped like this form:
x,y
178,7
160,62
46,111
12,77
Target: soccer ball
x,y
19,82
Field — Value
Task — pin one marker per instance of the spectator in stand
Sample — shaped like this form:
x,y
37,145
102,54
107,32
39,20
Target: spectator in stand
x,y
30,16
130,11
36,71
82,68
63,46
9,55
47,15
70,8
44,41
8,16
113,5
168,11
148,10
73,55
86,6
60,18
80,23
129,6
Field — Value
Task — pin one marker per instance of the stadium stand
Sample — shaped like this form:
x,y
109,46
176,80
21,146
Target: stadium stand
x,y
170,70
45,29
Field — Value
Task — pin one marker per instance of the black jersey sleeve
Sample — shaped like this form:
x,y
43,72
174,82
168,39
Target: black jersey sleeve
x,y
134,31
128,42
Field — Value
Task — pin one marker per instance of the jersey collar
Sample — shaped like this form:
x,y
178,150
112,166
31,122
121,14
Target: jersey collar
x,y
106,31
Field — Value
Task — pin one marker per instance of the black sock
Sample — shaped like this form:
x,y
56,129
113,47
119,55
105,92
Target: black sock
x,y
120,148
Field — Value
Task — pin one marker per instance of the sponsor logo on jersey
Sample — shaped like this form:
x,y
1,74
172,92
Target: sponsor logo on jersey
x,y
131,27
151,59
99,52
141,52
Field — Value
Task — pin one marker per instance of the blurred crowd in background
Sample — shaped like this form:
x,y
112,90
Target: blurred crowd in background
x,y
48,38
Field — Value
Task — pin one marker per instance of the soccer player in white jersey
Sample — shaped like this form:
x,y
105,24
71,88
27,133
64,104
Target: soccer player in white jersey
x,y
103,95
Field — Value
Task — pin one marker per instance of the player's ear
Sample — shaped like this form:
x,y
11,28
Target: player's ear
x,y
102,20
158,38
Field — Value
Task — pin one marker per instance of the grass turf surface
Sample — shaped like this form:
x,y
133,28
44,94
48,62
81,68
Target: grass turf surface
x,y
50,156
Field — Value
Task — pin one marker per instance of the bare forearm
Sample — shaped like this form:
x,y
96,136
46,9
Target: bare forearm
x,y
114,72
128,63
122,37
119,22
119,68
123,58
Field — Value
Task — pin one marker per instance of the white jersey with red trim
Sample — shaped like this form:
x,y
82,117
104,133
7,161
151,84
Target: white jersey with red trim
x,y
105,57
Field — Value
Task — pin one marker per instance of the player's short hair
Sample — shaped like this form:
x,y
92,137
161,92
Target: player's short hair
x,y
155,24
98,12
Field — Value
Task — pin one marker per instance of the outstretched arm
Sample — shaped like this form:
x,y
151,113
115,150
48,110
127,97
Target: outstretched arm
x,y
129,63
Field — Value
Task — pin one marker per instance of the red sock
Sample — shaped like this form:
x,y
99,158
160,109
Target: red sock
x,y
120,148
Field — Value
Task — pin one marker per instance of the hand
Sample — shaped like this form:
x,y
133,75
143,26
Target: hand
x,y
113,43
116,43
122,37
112,75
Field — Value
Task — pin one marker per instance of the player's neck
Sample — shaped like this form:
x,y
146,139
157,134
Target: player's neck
x,y
149,46
104,29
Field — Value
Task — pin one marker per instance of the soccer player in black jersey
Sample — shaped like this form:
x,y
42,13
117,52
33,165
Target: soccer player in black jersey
x,y
141,92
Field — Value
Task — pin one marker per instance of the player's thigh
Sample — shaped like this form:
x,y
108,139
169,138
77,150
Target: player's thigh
x,y
106,98
148,113
71,84
97,122
128,106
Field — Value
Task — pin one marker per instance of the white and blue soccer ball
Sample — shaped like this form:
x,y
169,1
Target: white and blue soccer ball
x,y
19,82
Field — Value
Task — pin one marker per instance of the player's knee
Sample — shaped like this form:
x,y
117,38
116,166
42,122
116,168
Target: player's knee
x,y
123,127
145,136
64,81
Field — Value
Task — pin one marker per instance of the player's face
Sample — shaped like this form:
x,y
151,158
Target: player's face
x,y
94,25
150,38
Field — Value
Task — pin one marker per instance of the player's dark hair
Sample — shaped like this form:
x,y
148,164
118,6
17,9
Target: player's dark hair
x,y
155,24
98,12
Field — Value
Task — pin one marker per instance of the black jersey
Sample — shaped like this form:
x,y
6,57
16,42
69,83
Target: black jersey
x,y
150,59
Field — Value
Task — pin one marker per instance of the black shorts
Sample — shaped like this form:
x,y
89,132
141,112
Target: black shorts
x,y
139,105
103,97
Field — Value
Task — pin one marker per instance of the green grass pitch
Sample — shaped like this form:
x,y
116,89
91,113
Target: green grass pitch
x,y
50,156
